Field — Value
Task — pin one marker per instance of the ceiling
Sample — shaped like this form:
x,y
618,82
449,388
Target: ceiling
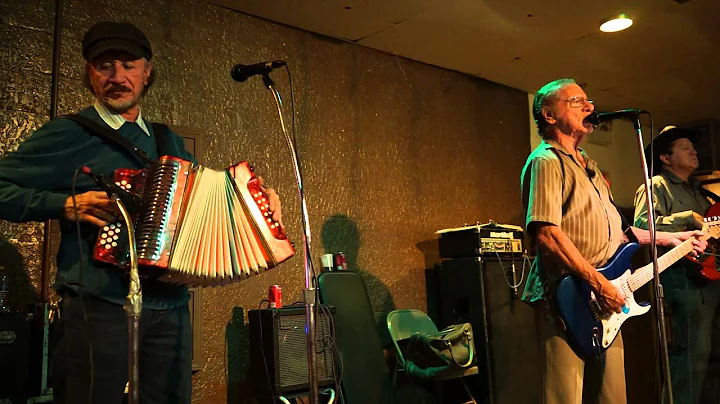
x,y
668,62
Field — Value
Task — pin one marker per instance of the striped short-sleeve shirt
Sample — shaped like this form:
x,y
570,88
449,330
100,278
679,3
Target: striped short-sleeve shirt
x,y
556,189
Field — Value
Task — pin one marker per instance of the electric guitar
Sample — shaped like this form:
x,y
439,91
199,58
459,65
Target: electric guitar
x,y
591,331
708,271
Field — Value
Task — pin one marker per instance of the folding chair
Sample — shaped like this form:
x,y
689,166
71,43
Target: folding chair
x,y
402,324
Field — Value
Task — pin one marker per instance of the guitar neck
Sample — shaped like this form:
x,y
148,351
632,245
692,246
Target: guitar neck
x,y
645,274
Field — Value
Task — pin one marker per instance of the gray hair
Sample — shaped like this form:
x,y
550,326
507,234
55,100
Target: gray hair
x,y
543,98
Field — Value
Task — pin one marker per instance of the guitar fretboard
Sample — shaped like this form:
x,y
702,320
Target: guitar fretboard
x,y
645,274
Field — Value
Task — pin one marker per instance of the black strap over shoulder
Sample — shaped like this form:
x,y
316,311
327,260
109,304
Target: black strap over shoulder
x,y
112,136
709,194
162,138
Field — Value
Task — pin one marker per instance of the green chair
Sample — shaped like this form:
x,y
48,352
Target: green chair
x,y
402,324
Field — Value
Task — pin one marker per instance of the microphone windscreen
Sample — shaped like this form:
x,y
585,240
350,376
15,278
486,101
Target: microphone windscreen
x,y
594,118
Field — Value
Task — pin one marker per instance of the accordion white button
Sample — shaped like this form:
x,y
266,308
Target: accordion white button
x,y
115,237
106,228
110,233
112,226
107,246
128,186
114,244
102,241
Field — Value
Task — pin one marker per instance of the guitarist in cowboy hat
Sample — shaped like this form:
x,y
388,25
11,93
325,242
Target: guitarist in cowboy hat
x,y
680,202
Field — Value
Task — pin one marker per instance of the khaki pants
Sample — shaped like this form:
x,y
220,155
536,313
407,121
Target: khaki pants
x,y
567,379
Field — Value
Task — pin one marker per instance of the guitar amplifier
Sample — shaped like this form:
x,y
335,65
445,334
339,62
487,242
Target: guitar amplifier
x,y
489,239
278,343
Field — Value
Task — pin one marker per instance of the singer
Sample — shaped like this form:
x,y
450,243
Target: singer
x,y
680,203
574,227
36,183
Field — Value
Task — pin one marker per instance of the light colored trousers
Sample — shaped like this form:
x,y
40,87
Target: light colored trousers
x,y
567,379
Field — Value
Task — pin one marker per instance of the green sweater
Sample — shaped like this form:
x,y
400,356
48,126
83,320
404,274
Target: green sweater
x,y
36,180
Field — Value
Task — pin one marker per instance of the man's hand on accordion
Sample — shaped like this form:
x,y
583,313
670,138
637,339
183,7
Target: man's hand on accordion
x,y
274,202
93,207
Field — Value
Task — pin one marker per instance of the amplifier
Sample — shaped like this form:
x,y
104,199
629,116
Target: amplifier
x,y
278,344
481,240
14,357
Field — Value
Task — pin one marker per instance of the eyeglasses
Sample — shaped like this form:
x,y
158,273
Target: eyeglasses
x,y
577,102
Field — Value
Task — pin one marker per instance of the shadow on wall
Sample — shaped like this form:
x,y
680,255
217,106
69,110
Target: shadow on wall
x,y
340,234
21,295
237,339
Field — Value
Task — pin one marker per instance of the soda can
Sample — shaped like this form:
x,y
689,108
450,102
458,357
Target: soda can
x,y
275,297
340,262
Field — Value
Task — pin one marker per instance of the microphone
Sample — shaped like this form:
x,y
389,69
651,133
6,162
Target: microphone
x,y
596,118
242,72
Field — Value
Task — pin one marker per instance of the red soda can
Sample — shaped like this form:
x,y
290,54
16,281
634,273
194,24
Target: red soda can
x,y
275,297
340,262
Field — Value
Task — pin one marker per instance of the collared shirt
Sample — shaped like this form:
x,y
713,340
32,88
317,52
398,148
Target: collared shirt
x,y
556,189
115,120
674,202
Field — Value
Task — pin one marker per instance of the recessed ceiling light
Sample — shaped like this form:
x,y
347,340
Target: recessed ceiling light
x,y
616,24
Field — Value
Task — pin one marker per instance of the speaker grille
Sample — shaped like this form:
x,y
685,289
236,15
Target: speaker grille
x,y
292,350
278,345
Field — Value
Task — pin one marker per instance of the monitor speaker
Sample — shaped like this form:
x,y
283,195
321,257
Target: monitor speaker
x,y
278,344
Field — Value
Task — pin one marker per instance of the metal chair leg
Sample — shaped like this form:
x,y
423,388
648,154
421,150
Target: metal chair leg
x,y
467,390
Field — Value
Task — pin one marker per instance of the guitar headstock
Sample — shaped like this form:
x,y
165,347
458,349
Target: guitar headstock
x,y
711,226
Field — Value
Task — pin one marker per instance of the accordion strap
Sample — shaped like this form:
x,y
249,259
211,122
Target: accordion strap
x,y
161,138
111,136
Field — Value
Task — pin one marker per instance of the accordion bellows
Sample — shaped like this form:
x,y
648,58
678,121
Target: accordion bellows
x,y
197,226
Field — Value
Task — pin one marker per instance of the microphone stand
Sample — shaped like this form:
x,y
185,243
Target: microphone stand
x,y
133,307
659,295
309,293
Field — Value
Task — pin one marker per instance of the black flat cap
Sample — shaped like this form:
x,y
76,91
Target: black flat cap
x,y
663,140
109,35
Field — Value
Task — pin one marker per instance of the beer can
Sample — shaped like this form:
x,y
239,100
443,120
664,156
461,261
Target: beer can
x,y
275,297
340,262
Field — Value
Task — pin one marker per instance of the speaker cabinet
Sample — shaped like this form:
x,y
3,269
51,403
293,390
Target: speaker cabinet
x,y
14,352
278,345
477,290
707,144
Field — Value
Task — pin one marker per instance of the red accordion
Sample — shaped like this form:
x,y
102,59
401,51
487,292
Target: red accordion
x,y
197,226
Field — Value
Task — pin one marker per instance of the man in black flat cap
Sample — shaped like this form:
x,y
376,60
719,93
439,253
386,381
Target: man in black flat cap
x,y
40,181
679,204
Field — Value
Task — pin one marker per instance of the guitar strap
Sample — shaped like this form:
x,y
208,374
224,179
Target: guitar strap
x,y
111,136
709,194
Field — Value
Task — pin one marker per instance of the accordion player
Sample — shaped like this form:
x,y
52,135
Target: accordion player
x,y
196,226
